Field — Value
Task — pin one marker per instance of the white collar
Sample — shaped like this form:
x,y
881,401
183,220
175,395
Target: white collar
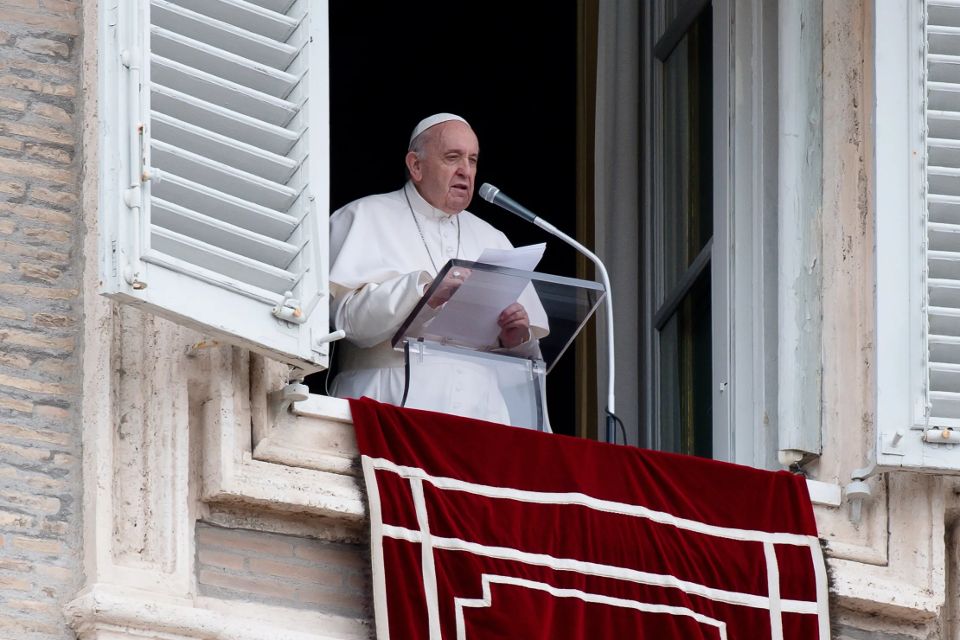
x,y
423,207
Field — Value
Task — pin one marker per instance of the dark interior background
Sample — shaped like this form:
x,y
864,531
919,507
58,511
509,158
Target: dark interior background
x,y
509,68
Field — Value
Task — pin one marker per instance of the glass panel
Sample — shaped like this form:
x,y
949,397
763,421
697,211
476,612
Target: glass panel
x,y
686,222
686,367
669,388
669,10
467,316
475,384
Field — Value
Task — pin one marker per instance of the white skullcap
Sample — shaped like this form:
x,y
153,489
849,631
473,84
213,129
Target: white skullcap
x,y
432,121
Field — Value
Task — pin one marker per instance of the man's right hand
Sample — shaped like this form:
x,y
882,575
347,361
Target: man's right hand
x,y
448,286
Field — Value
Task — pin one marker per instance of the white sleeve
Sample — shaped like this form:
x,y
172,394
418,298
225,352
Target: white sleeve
x,y
373,313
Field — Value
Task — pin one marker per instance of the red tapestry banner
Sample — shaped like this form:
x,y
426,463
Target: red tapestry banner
x,y
481,531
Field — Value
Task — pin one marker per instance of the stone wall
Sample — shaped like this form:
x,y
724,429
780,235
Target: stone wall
x,y
284,570
40,314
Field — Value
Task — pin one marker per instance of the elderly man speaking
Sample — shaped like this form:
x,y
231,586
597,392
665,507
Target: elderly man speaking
x,y
385,250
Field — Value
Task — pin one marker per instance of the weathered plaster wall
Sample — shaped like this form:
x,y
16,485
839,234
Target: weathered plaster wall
x,y
40,316
889,570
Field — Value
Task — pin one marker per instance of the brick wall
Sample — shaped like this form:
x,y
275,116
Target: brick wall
x,y
285,570
39,317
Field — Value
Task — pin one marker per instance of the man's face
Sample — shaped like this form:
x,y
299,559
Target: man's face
x,y
444,175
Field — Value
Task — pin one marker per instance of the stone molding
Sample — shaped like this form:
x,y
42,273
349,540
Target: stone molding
x,y
105,611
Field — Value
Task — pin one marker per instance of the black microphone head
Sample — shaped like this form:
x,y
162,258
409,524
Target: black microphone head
x,y
488,192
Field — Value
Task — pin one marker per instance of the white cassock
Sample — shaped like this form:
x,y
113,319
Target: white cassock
x,y
379,269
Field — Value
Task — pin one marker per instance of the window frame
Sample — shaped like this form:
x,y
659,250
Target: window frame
x,y
744,281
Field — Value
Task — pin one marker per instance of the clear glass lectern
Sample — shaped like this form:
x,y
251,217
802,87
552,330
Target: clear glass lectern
x,y
454,360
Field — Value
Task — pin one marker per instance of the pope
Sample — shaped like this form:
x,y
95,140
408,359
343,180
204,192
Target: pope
x,y
385,251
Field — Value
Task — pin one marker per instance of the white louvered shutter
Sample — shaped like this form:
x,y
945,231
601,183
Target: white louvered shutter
x,y
918,234
215,197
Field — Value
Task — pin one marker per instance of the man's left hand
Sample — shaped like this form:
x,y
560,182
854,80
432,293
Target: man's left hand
x,y
514,326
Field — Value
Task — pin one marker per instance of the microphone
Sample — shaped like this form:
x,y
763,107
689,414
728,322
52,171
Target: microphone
x,y
493,195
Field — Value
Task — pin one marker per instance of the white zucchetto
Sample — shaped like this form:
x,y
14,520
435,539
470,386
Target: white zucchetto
x,y
432,121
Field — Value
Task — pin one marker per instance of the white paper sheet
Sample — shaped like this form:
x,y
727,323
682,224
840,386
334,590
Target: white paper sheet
x,y
525,258
471,315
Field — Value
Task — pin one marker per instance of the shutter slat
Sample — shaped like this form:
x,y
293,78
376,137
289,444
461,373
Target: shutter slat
x,y
943,123
219,119
944,320
944,292
222,35
222,177
943,152
262,20
221,234
945,404
281,6
224,206
944,68
944,208
944,349
221,261
210,88
944,96
223,149
944,264
221,63
943,181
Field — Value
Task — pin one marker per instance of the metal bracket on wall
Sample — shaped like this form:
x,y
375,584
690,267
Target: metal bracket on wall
x,y
858,491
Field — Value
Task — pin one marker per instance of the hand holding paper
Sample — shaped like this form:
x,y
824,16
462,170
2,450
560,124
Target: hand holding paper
x,y
476,310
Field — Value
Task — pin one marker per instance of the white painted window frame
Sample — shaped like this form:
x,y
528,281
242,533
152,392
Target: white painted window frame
x,y
744,295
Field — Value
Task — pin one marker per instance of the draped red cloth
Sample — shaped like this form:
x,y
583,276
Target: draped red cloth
x,y
482,531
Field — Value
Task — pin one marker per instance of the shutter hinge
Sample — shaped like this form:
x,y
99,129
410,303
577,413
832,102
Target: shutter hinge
x,y
945,435
289,309
133,197
133,278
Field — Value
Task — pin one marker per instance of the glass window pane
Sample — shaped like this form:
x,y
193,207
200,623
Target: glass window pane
x,y
686,367
669,388
686,222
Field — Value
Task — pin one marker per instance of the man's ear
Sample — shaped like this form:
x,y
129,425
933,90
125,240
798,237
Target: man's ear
x,y
413,166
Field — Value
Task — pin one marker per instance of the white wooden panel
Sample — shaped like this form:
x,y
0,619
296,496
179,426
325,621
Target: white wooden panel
x,y
222,177
223,120
222,35
220,260
210,88
281,6
230,151
224,64
217,197
224,206
918,233
899,103
221,234
943,182
265,20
